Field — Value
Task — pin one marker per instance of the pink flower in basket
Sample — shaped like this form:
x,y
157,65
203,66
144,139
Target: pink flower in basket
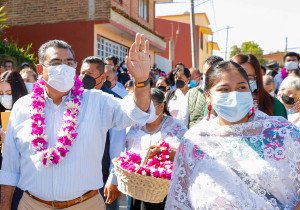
x,y
158,166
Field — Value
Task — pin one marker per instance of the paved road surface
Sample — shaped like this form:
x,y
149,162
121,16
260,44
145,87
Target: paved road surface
x,y
123,203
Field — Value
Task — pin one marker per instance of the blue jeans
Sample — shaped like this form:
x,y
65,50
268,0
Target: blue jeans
x,y
114,205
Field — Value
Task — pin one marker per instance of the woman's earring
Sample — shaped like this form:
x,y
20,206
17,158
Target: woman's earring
x,y
209,107
252,111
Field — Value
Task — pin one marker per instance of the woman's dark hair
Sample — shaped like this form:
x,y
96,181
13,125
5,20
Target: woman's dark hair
x,y
165,80
263,68
264,99
212,60
159,97
213,75
185,71
18,88
179,64
170,77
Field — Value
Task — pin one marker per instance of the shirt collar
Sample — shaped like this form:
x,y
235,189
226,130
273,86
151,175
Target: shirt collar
x,y
64,98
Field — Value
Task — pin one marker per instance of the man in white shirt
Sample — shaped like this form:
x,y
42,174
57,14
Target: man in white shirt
x,y
73,182
93,70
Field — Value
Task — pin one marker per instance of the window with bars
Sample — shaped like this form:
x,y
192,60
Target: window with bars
x,y
143,9
107,48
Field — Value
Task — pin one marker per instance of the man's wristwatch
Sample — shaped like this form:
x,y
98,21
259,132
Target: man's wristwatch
x,y
142,84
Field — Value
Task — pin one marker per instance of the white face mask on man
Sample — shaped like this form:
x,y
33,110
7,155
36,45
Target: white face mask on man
x,y
29,86
61,77
232,106
6,101
291,65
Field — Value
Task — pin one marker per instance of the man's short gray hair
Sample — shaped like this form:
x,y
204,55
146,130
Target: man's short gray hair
x,y
290,82
55,44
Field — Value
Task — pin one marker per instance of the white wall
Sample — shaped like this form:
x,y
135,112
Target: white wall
x,y
163,63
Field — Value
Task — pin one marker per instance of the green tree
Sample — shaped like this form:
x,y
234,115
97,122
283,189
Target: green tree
x,y
249,48
2,19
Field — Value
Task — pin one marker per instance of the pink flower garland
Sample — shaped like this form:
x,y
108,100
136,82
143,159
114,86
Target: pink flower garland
x,y
67,134
158,166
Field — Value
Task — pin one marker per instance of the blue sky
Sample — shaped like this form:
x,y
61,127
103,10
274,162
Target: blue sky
x,y
266,22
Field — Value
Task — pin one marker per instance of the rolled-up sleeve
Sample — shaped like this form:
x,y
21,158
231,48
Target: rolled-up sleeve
x,y
126,112
10,170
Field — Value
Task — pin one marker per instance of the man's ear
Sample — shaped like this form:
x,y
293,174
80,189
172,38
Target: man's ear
x,y
103,76
39,68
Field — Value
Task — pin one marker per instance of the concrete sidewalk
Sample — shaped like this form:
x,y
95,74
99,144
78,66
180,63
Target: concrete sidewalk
x,y
123,202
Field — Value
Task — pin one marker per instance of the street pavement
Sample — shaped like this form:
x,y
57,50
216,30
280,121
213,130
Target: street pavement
x,y
123,202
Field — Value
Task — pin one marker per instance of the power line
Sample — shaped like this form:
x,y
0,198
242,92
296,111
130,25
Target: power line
x,y
201,3
183,2
214,13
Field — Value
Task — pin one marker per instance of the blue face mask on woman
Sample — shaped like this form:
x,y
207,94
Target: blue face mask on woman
x,y
232,106
253,85
192,84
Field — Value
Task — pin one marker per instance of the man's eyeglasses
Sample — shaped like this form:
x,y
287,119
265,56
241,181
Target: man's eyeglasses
x,y
71,63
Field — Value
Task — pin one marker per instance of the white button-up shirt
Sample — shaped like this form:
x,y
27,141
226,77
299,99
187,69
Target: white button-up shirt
x,y
81,170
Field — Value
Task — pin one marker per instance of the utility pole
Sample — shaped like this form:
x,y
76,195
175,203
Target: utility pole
x,y
193,35
171,46
226,41
212,42
286,44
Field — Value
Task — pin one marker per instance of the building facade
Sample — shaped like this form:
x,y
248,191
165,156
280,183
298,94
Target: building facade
x,y
92,27
176,30
276,56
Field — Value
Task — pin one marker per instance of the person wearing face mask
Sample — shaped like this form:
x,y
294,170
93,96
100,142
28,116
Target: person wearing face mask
x,y
290,59
239,159
94,72
196,108
56,136
12,87
195,77
262,99
163,84
269,85
292,68
140,138
111,77
176,98
121,70
289,95
29,77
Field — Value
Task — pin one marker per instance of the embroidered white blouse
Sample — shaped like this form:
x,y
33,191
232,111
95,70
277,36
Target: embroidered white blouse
x,y
253,165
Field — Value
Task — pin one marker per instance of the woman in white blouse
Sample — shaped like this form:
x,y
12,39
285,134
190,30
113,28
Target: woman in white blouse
x,y
178,98
140,138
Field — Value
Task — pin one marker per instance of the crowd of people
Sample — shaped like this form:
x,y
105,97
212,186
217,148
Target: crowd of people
x,y
233,129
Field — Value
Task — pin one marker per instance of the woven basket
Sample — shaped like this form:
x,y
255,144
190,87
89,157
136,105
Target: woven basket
x,y
145,188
